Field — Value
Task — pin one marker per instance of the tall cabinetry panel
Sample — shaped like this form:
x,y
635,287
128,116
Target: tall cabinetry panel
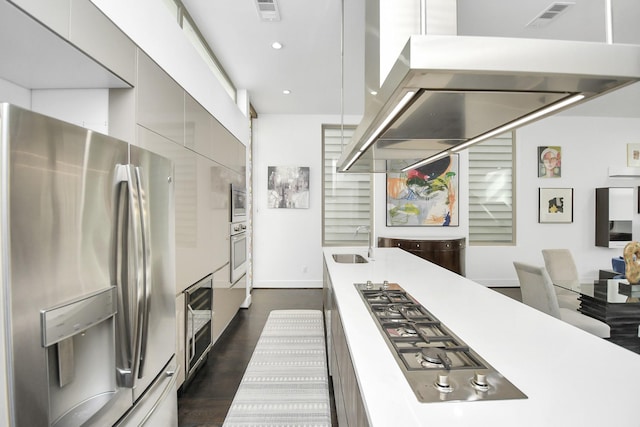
x,y
227,150
53,14
226,298
196,202
614,216
160,104
198,132
98,37
88,29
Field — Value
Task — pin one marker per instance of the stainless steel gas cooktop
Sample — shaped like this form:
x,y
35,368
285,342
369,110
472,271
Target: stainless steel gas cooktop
x,y
438,365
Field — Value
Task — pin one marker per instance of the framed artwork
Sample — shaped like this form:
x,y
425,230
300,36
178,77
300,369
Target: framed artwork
x,y
549,165
555,205
426,196
633,155
288,187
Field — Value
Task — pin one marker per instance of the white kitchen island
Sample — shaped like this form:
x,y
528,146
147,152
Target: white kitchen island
x,y
570,377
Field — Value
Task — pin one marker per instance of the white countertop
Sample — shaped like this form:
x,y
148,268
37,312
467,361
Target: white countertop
x,y
571,378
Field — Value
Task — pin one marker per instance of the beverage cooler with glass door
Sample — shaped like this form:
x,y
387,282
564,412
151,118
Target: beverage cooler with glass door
x,y
199,318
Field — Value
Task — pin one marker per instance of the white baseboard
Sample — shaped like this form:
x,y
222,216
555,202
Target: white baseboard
x,y
287,284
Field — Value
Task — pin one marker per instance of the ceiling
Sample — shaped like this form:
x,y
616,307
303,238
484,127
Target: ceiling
x,y
310,64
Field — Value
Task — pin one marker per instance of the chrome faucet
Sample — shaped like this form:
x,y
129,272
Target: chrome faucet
x,y
367,229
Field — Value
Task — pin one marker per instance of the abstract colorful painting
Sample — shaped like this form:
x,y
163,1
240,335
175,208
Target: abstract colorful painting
x,y
426,196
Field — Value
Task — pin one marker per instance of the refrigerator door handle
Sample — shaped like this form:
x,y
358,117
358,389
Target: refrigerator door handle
x,y
129,294
146,276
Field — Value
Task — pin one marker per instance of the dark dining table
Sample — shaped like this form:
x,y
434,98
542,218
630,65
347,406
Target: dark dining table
x,y
615,302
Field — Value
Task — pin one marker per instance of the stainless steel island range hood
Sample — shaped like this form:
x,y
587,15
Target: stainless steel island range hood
x,y
445,93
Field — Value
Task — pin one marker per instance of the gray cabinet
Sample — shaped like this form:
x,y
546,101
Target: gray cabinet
x,y
88,29
192,260
160,100
227,150
198,132
201,209
227,300
52,13
614,216
92,32
350,409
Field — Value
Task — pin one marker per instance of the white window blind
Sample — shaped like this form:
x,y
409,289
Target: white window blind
x,y
491,191
346,196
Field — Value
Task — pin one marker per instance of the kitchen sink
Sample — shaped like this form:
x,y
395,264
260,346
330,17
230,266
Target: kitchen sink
x,y
349,258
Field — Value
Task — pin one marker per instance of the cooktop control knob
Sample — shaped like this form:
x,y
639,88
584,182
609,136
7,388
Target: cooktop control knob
x,y
385,285
369,284
442,384
479,382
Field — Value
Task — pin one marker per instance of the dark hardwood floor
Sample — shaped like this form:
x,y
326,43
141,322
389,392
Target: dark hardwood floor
x,y
206,400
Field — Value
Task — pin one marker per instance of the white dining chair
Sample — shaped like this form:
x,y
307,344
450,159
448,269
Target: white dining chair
x,y
562,270
537,292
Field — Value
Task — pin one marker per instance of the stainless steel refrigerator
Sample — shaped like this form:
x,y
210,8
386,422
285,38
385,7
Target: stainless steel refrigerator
x,y
88,276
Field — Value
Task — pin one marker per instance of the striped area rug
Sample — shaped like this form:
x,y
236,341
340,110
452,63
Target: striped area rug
x,y
286,381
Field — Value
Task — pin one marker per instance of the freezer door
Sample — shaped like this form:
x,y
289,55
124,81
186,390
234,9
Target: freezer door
x,y
159,405
57,216
157,318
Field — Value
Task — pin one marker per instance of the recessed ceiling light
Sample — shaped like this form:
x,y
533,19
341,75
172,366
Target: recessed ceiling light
x,y
276,45
373,92
286,91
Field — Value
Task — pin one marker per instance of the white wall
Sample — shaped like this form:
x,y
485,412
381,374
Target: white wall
x,y
83,107
150,25
287,243
88,108
590,145
15,94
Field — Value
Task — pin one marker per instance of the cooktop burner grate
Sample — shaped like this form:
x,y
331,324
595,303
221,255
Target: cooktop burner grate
x,y
438,365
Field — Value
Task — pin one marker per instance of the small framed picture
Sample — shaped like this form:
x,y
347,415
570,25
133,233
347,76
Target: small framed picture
x,y
549,161
288,187
555,205
633,155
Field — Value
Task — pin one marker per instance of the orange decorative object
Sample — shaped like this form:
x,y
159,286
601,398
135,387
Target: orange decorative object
x,y
631,256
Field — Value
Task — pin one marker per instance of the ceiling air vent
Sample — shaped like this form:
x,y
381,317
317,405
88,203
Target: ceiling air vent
x,y
550,13
268,10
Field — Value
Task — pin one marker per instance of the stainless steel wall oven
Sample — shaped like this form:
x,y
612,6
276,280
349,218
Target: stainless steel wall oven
x,y
238,207
238,242
199,318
